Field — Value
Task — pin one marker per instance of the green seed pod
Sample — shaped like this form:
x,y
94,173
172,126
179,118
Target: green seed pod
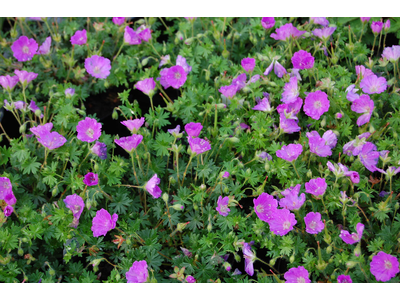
x,y
309,173
115,114
117,277
225,54
333,276
209,227
272,262
54,191
25,240
351,264
195,206
267,166
52,272
96,166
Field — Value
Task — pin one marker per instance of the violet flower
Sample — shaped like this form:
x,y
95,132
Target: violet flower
x,y
133,125
365,19
98,66
75,204
354,147
302,60
198,145
351,93
239,82
287,31
318,145
41,129
186,252
363,105
25,77
8,210
152,186
282,221
392,54
265,206
248,64
263,105
278,69
225,175
103,222
363,71
181,61
387,26
144,33
264,155
369,156
118,20
79,38
324,33
91,179
314,225
354,237
176,131
376,27
292,201
52,140
316,187
147,86
176,77
268,22
316,104
290,110
249,258
229,91
100,149
131,37
5,187
288,125
138,273
89,130
222,206
290,91
193,129
297,275
373,85
35,109
320,21
24,49
44,49
69,92
165,60
8,82
384,266
190,279
129,143
344,279
290,152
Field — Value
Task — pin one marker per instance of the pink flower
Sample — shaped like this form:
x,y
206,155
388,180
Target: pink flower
x,y
351,93
229,91
384,266
365,19
290,110
363,105
100,150
354,147
376,27
75,204
147,86
320,21
133,125
118,20
131,37
24,49
363,71
316,186
144,33
290,91
338,116
52,140
292,200
5,187
91,179
344,279
103,222
34,108
263,105
282,222
302,60
193,129
318,145
129,143
265,206
222,206
288,125
45,47
286,31
313,222
69,92
392,54
225,175
249,258
354,237
176,77
297,275
373,85
387,25
79,38
181,61
278,69
25,77
164,60
369,156
138,273
324,33
290,152
8,82
198,145
41,129
89,130
9,198
98,66
248,64
267,22
316,104
152,186
190,279
8,210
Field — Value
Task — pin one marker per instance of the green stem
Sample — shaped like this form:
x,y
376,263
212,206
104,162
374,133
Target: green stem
x,y
184,174
294,166
151,102
119,51
362,31
373,45
140,165
134,170
79,167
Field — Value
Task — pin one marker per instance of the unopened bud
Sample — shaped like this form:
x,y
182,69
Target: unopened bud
x,y
272,262
22,128
96,262
323,122
333,276
172,180
38,113
351,264
24,240
165,197
329,249
203,187
20,252
181,226
189,41
178,207
267,166
225,54
227,266
357,250
54,191
291,259
117,277
209,227
309,173
115,114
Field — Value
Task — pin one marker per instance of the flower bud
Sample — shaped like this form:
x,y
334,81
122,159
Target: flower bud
x,y
225,54
117,276
13,33
88,204
291,259
24,240
189,41
329,249
54,191
209,227
106,84
165,197
323,122
22,128
20,252
195,206
351,264
172,180
128,241
272,262
321,265
96,262
181,226
38,113
52,272
309,173
357,250
227,266
115,114
333,276
237,257
178,207
267,166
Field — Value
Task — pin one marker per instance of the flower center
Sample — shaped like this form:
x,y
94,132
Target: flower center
x,y
286,225
90,132
374,88
301,280
25,49
92,179
96,70
177,75
317,104
388,265
76,209
260,208
4,185
313,224
224,208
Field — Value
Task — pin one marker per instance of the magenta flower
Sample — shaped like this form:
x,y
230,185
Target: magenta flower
x,y
45,47
351,93
268,22
324,33
330,138
225,175
152,186
42,129
144,33
297,275
318,145
100,149
147,86
363,105
8,210
131,37
75,204
9,198
302,60
369,156
265,206
229,91
316,104
249,258
138,273
344,279
24,49
176,77
354,237
354,176
176,131
373,85
198,145
320,21
313,222
316,186
278,69
103,222
98,66
133,125
392,54
129,143
286,31
248,64
186,252
25,77
384,266
263,105
34,108
376,27
181,61
387,25
338,116
290,91
52,140
190,279
363,71
69,92
89,130
118,20
282,222
292,200
8,82
79,38
290,110
222,206
5,187
193,129
288,125
365,19
354,147
290,152
91,179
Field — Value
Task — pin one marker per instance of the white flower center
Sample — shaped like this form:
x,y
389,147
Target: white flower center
x,y
90,132
301,280
388,265
286,225
177,75
312,225
317,104
260,208
96,70
25,49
